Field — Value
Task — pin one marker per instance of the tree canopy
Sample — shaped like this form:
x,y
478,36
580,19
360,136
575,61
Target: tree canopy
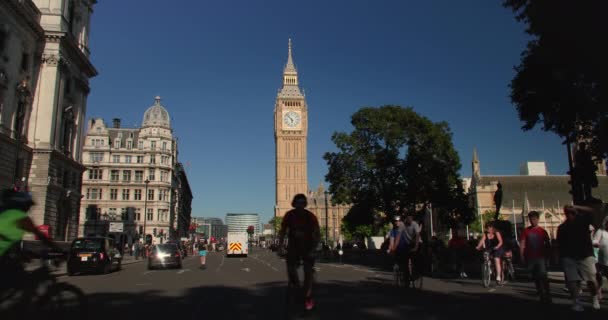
x,y
562,80
393,160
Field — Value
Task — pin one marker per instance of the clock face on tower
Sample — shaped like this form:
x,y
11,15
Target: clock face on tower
x,y
292,120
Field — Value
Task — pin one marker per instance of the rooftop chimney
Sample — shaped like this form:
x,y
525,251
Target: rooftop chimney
x,y
116,123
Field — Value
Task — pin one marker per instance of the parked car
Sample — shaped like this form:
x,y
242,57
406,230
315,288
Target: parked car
x,y
93,254
165,255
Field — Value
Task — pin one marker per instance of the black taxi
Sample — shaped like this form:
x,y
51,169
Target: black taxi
x,y
93,254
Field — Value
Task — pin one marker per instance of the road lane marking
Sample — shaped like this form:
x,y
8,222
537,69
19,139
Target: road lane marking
x,y
246,269
148,272
221,263
143,284
182,271
255,257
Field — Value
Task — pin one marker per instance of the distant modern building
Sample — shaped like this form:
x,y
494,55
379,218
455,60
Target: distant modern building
x,y
238,222
213,227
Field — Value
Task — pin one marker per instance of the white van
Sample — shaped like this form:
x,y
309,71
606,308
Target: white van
x,y
236,244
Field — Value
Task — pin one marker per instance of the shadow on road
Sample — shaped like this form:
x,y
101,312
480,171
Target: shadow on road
x,y
369,299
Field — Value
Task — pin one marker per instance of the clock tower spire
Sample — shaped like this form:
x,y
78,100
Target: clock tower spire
x,y
290,132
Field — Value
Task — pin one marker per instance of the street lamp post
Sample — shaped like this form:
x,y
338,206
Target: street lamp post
x,y
145,208
326,221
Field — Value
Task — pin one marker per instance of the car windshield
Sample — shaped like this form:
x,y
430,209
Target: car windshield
x,y
168,248
88,244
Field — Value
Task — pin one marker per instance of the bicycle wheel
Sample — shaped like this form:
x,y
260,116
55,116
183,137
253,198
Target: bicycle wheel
x,y
398,276
486,274
63,301
511,270
417,279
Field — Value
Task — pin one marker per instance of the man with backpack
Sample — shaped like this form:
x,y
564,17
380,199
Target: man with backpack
x,y
303,234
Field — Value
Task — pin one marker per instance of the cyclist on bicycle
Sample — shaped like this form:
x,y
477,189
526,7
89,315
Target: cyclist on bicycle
x,y
398,245
303,233
14,222
413,238
492,241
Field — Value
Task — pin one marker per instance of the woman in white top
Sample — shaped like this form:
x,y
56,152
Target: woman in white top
x,y
600,240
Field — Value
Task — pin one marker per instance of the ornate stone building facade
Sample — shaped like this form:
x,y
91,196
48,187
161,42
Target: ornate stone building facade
x,y
44,117
522,193
290,132
21,45
137,168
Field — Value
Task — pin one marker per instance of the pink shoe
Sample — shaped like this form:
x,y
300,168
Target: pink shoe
x,y
309,304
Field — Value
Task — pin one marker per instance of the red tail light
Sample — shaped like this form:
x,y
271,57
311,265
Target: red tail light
x,y
101,256
177,255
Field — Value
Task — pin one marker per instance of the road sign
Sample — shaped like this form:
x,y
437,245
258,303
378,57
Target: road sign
x,y
116,227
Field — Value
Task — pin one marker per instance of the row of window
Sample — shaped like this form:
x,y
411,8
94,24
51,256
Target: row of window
x,y
97,194
161,214
97,174
98,157
128,144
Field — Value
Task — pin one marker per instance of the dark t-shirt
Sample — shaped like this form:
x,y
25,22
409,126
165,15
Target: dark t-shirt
x,y
301,226
574,238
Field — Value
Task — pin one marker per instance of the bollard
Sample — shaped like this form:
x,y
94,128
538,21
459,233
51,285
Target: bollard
x,y
340,253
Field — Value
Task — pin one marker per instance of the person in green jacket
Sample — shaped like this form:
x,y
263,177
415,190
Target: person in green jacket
x,y
14,223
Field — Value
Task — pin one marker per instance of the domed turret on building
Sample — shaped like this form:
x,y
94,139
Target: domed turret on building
x,y
156,116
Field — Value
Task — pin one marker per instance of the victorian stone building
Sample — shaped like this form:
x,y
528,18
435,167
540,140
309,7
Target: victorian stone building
x,y
21,45
136,168
44,85
533,189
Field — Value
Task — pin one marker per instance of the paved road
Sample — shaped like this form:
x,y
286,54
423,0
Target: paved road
x,y
254,288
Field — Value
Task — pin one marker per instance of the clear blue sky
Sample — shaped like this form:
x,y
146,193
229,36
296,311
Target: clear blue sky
x,y
218,65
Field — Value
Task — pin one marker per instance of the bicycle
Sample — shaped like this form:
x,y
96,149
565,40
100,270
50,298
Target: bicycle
x,y
507,265
486,269
41,295
295,295
416,274
416,278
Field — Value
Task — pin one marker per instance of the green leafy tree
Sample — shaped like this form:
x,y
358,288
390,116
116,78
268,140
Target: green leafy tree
x,y
393,160
475,225
276,224
561,81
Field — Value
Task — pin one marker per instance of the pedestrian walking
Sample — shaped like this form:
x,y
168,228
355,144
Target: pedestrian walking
x,y
600,241
457,247
534,250
203,255
576,251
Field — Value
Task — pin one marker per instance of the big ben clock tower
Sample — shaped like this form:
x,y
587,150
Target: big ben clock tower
x,y
290,134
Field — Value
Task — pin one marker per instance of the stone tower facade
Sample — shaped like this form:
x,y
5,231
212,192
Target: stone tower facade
x,y
290,132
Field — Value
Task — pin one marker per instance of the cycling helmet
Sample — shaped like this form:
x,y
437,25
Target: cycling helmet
x,y
12,199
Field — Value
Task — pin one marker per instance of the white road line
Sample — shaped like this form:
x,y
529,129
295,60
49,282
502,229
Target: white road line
x,y
264,262
221,263
143,284
246,269
182,271
148,272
